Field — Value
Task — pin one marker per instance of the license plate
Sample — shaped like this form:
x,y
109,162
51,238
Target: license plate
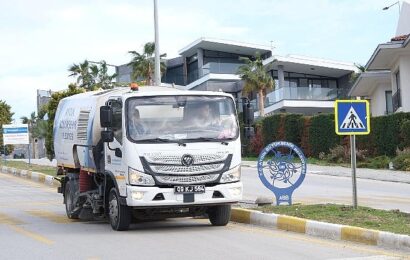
x,y
189,189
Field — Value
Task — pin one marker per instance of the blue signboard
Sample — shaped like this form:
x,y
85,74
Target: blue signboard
x,y
282,168
352,117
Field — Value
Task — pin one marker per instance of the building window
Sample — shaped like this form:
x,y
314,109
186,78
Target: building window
x,y
389,102
397,95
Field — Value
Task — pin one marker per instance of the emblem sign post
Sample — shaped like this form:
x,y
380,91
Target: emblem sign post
x,y
352,117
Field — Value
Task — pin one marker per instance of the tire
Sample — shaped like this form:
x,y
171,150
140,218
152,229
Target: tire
x,y
69,193
119,215
219,215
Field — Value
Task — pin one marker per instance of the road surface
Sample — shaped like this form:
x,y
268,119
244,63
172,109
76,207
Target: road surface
x,y
33,226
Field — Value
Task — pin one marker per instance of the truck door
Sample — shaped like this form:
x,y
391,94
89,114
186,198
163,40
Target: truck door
x,y
114,162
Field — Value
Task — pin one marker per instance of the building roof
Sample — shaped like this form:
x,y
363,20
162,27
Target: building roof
x,y
224,46
368,81
400,38
313,66
386,53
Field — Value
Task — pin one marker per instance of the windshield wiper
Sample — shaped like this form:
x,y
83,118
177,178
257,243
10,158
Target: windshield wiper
x,y
207,139
163,140
156,140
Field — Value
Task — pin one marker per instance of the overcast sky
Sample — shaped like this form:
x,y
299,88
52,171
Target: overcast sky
x,y
40,39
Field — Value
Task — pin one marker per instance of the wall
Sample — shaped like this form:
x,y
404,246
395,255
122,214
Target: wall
x,y
404,64
378,100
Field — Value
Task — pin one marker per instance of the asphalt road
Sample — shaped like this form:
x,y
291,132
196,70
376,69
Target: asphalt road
x,y
333,189
33,226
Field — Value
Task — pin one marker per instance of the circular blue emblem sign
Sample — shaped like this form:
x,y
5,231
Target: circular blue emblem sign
x,y
282,168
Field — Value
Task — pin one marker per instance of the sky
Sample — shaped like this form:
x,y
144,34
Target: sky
x,y
40,39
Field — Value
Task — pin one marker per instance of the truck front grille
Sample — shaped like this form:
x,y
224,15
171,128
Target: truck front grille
x,y
187,170
187,179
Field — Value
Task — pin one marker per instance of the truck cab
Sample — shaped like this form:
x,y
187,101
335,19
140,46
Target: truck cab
x,y
149,153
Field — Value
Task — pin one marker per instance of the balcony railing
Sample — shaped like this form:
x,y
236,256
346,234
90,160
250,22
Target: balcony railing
x,y
221,68
302,93
396,100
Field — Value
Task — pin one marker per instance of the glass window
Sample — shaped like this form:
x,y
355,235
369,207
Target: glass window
x,y
389,102
332,83
181,119
303,83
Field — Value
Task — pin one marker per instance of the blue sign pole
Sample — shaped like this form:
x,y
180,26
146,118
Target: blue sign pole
x,y
352,117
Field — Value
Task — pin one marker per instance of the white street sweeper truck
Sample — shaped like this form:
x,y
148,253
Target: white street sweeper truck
x,y
148,153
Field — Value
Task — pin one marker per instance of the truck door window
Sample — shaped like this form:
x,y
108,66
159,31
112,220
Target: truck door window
x,y
116,106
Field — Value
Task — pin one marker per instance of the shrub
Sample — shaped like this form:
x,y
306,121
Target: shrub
x,y
338,154
385,131
379,162
270,128
256,144
405,132
402,162
293,127
322,136
304,142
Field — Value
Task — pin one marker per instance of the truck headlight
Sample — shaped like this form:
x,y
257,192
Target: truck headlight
x,y
231,175
139,178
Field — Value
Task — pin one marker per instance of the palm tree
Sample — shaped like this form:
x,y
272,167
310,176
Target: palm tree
x,y
104,80
82,71
92,76
143,64
31,122
256,78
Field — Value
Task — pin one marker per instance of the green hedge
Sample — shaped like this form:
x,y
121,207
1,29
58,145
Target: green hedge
x,y
270,128
322,136
387,135
293,128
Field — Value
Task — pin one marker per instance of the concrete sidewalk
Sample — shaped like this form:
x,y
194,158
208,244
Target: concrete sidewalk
x,y
362,173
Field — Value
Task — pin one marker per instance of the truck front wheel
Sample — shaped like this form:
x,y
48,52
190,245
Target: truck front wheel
x,y
219,215
119,215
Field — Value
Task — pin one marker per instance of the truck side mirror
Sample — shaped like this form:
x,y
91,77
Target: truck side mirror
x,y
107,136
106,116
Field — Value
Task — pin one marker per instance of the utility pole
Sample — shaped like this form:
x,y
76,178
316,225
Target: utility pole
x,y
157,72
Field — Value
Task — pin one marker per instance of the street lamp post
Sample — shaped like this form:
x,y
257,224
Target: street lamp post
x,y
396,3
157,72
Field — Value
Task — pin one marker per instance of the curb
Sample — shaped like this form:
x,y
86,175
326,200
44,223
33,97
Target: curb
x,y
322,229
34,176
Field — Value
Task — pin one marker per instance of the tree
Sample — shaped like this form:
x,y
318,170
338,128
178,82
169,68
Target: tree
x,y
50,110
143,64
255,78
91,76
355,75
5,118
31,122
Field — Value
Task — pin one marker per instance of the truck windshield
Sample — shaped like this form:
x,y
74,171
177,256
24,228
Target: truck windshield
x,y
181,119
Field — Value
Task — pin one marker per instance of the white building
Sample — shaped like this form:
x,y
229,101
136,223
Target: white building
x,y
386,82
303,84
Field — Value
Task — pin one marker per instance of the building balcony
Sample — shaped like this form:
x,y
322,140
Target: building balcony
x,y
302,93
396,100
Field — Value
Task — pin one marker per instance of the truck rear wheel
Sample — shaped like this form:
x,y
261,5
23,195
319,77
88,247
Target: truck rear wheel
x,y
219,215
119,215
69,194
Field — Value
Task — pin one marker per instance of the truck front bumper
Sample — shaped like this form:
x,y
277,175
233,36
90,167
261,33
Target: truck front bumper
x,y
138,196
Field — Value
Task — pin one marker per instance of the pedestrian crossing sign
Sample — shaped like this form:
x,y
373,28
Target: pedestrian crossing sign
x,y
352,117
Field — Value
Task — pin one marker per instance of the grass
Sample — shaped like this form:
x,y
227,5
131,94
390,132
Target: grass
x,y
49,170
391,221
